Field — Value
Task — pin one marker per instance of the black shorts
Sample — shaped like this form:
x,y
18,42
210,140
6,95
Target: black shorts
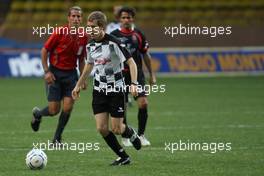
x,y
112,103
63,85
141,84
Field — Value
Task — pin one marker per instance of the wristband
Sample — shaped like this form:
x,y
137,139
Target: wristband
x,y
134,83
46,71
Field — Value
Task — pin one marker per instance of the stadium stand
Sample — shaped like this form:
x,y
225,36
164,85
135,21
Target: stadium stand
x,y
20,15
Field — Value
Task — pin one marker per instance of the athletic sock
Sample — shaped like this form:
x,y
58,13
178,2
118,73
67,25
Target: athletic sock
x,y
128,132
63,120
43,112
142,120
112,142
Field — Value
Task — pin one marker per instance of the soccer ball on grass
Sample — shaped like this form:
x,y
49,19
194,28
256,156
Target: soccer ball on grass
x,y
36,159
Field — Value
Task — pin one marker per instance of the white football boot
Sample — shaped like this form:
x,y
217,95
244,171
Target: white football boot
x,y
126,142
144,141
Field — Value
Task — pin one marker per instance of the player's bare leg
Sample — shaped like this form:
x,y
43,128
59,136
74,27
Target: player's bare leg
x,y
102,121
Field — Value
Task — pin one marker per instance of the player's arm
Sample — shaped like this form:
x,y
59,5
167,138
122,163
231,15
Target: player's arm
x,y
147,61
86,72
147,58
48,76
125,56
44,59
49,46
81,67
133,73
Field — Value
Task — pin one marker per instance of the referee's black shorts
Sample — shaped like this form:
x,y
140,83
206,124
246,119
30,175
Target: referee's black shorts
x,y
113,103
63,85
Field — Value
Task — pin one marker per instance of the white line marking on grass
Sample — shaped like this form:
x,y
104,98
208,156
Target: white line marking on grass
x,y
44,131
238,126
206,127
14,149
29,115
164,113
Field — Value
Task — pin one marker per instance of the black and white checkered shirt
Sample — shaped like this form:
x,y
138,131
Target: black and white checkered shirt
x,y
108,57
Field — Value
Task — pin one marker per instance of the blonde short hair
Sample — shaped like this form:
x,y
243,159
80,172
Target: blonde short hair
x,y
99,18
77,8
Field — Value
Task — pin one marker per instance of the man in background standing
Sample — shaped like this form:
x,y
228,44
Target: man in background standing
x,y
137,44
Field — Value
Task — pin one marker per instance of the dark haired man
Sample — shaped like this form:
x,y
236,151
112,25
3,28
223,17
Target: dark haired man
x,y
137,44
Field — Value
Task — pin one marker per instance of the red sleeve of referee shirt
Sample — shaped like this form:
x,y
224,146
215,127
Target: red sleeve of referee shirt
x,y
52,42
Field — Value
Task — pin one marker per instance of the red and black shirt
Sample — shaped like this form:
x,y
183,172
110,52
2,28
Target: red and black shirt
x,y
135,42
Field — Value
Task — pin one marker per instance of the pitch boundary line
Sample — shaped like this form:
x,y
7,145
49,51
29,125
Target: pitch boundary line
x,y
104,148
239,126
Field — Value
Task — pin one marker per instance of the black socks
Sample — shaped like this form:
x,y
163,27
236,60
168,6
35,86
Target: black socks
x,y
127,133
112,142
42,112
63,120
142,120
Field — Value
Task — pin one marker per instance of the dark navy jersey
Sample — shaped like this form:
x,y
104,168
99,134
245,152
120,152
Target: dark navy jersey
x,y
135,42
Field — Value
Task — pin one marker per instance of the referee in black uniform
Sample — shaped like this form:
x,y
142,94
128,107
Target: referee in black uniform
x,y
107,55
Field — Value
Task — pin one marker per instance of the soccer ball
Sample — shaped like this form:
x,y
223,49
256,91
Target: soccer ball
x,y
36,159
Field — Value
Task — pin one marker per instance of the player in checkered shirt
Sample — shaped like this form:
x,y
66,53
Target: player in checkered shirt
x,y
106,54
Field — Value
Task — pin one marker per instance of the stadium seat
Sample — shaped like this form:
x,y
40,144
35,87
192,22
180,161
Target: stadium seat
x,y
151,13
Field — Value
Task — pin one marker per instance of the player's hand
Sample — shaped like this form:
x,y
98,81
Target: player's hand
x,y
84,86
133,90
152,80
49,78
76,93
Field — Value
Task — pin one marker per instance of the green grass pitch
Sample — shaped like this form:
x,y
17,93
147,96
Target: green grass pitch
x,y
202,110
